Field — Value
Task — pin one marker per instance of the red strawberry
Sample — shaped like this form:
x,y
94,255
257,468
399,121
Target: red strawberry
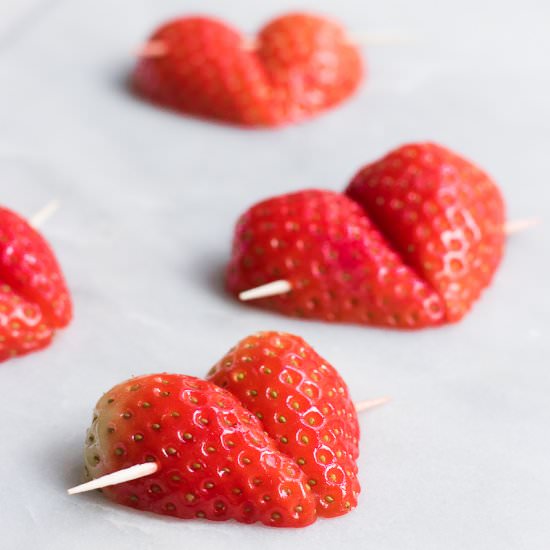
x,y
215,460
300,65
442,214
34,300
340,266
304,406
416,240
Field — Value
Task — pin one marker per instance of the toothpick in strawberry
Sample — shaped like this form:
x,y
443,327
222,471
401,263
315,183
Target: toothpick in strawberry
x,y
413,242
271,436
297,67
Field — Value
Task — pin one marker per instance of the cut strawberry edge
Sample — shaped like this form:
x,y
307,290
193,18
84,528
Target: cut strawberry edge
x,y
393,247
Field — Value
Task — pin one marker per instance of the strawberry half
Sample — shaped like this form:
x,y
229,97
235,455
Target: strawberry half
x,y
216,461
271,436
298,66
304,406
34,300
413,243
442,214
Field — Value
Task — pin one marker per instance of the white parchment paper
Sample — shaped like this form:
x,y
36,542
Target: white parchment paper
x,y
460,457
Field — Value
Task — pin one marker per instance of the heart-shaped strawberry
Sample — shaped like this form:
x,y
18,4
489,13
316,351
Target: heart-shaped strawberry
x,y
298,66
414,242
34,300
278,445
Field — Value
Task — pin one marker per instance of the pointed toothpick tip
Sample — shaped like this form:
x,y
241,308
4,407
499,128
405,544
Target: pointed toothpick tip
x,y
369,404
264,291
128,474
517,226
44,213
153,48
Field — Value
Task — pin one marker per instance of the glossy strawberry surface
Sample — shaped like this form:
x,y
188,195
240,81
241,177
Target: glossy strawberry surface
x,y
216,461
304,406
298,66
413,242
34,299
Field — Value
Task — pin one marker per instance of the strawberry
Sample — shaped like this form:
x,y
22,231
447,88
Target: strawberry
x,y
340,266
442,214
215,459
298,66
304,406
34,300
415,240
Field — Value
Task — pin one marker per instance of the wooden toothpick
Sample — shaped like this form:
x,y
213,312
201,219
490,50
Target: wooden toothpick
x,y
517,226
149,468
362,406
153,48
282,286
274,288
127,474
44,214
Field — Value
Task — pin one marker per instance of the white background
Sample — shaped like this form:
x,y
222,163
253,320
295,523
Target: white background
x,y
460,458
